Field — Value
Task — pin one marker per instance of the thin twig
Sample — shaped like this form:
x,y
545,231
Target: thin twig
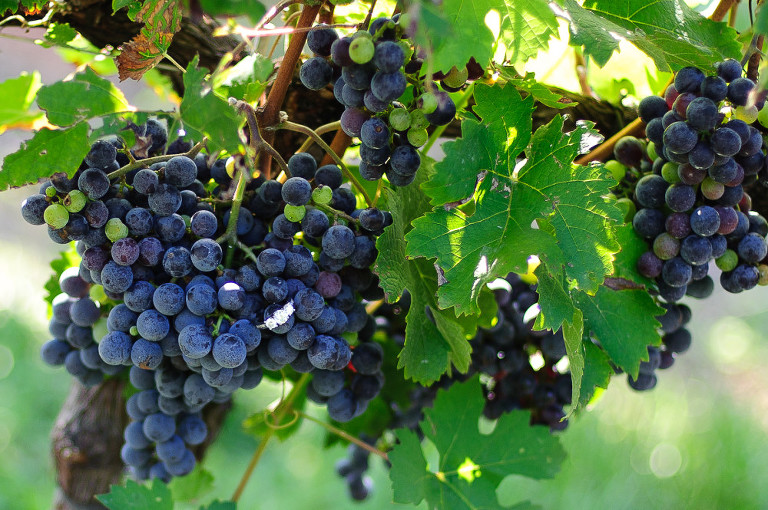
x,y
266,32
377,196
292,126
367,21
325,128
344,435
605,149
722,9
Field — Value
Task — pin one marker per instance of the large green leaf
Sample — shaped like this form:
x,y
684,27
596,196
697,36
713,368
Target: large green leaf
x,y
204,113
462,30
16,98
624,323
546,206
668,31
50,151
192,486
471,464
434,338
153,496
86,95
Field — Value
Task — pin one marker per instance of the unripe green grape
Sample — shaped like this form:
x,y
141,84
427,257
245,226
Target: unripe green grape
x,y
670,173
75,201
400,119
407,48
115,229
762,270
650,149
712,189
727,261
628,207
456,77
229,166
417,137
747,114
322,195
50,192
56,215
294,213
427,102
134,331
361,50
616,169
418,120
665,246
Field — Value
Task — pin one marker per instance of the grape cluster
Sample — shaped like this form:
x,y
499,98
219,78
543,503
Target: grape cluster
x,y
691,204
369,71
192,326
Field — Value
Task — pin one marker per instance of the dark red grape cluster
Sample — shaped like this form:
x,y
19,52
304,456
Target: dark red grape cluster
x,y
691,204
370,71
191,322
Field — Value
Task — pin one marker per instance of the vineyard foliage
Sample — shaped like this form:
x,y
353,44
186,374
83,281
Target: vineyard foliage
x,y
503,197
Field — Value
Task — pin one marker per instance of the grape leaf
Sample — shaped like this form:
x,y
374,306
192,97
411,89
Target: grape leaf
x,y
567,202
204,113
597,372
220,505
162,19
471,29
538,90
623,322
67,258
668,31
58,34
16,98
119,4
8,5
434,338
50,151
625,261
471,464
153,496
192,486
86,95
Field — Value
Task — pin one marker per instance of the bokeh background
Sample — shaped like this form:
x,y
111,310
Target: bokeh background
x,y
699,440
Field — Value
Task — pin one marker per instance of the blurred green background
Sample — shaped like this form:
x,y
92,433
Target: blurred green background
x,y
697,441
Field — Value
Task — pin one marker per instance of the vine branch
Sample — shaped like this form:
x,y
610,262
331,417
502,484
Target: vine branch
x,y
344,435
146,162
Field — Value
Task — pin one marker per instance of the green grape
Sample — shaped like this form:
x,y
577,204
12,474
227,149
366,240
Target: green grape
x,y
400,119
629,208
50,192
665,246
762,270
427,102
670,173
322,195
727,261
229,166
56,215
617,170
418,120
294,213
651,151
115,229
134,331
456,77
75,201
712,189
361,50
407,48
417,137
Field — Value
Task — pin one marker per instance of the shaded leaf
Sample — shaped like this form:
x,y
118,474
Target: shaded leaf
x,y
192,486
471,464
597,372
220,505
50,151
67,258
434,338
254,10
59,34
538,90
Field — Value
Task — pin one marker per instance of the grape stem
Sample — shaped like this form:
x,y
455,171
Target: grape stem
x,y
146,162
230,234
336,213
300,128
344,435
257,142
282,409
325,128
